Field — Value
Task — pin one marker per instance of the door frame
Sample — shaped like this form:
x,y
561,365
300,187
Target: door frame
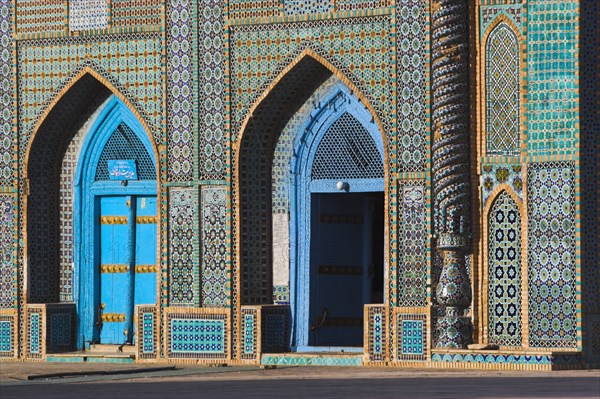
x,y
336,102
86,292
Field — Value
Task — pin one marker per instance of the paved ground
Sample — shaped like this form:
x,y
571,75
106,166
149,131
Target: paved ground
x,y
292,382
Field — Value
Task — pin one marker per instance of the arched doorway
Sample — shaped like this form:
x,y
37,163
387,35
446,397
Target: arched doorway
x,y
337,223
252,184
116,220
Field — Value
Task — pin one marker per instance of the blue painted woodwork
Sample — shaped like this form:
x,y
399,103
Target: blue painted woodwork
x,y
86,228
116,251
338,101
145,251
340,276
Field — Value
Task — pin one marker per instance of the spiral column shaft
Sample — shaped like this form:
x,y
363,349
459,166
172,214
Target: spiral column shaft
x,y
450,165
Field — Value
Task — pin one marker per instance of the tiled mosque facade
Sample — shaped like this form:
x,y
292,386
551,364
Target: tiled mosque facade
x,y
304,182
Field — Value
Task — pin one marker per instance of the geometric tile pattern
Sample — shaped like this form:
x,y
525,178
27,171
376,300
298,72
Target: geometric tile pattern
x,y
504,272
263,51
7,225
6,95
502,91
215,288
125,13
196,334
275,328
552,362
250,331
412,83
552,255
130,62
354,5
281,295
183,270
412,265
411,330
253,8
147,332
41,16
494,175
311,360
7,335
88,14
60,327
488,14
180,91
35,333
377,326
298,7
553,80
211,104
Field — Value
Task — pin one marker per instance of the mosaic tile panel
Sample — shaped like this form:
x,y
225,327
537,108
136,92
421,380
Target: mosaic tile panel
x,y
376,344
488,14
41,16
212,112
60,328
504,272
285,144
553,88
412,113
147,326
253,8
215,277
502,88
250,331
183,270
412,265
353,5
7,334
314,360
124,13
138,78
35,333
6,95
281,295
7,274
494,175
275,329
261,52
299,7
552,255
593,339
88,14
197,335
180,91
411,330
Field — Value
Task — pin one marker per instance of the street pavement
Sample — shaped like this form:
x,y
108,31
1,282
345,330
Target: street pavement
x,y
164,381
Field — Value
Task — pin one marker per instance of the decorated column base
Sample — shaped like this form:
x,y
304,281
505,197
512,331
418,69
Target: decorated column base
x,y
453,331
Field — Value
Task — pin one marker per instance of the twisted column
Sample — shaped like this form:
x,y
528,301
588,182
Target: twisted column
x,y
450,108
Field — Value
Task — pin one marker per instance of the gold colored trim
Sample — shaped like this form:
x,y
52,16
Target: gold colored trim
x,y
146,220
114,220
114,268
146,268
113,317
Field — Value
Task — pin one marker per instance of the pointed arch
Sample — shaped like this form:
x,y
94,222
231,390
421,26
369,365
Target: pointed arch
x,y
502,69
252,155
503,274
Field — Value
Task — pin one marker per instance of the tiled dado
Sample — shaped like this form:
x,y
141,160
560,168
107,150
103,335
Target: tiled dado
x,y
50,328
197,335
506,360
264,329
8,334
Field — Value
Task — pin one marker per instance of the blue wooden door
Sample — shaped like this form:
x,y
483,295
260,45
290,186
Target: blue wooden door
x,y
116,268
340,277
128,264
145,251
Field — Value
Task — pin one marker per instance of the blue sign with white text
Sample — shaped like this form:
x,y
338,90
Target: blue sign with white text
x,y
122,169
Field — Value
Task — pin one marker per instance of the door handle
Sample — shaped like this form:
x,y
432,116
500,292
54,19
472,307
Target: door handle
x,y
318,325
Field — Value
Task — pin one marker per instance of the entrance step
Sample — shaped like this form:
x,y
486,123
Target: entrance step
x,y
312,359
89,357
114,349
